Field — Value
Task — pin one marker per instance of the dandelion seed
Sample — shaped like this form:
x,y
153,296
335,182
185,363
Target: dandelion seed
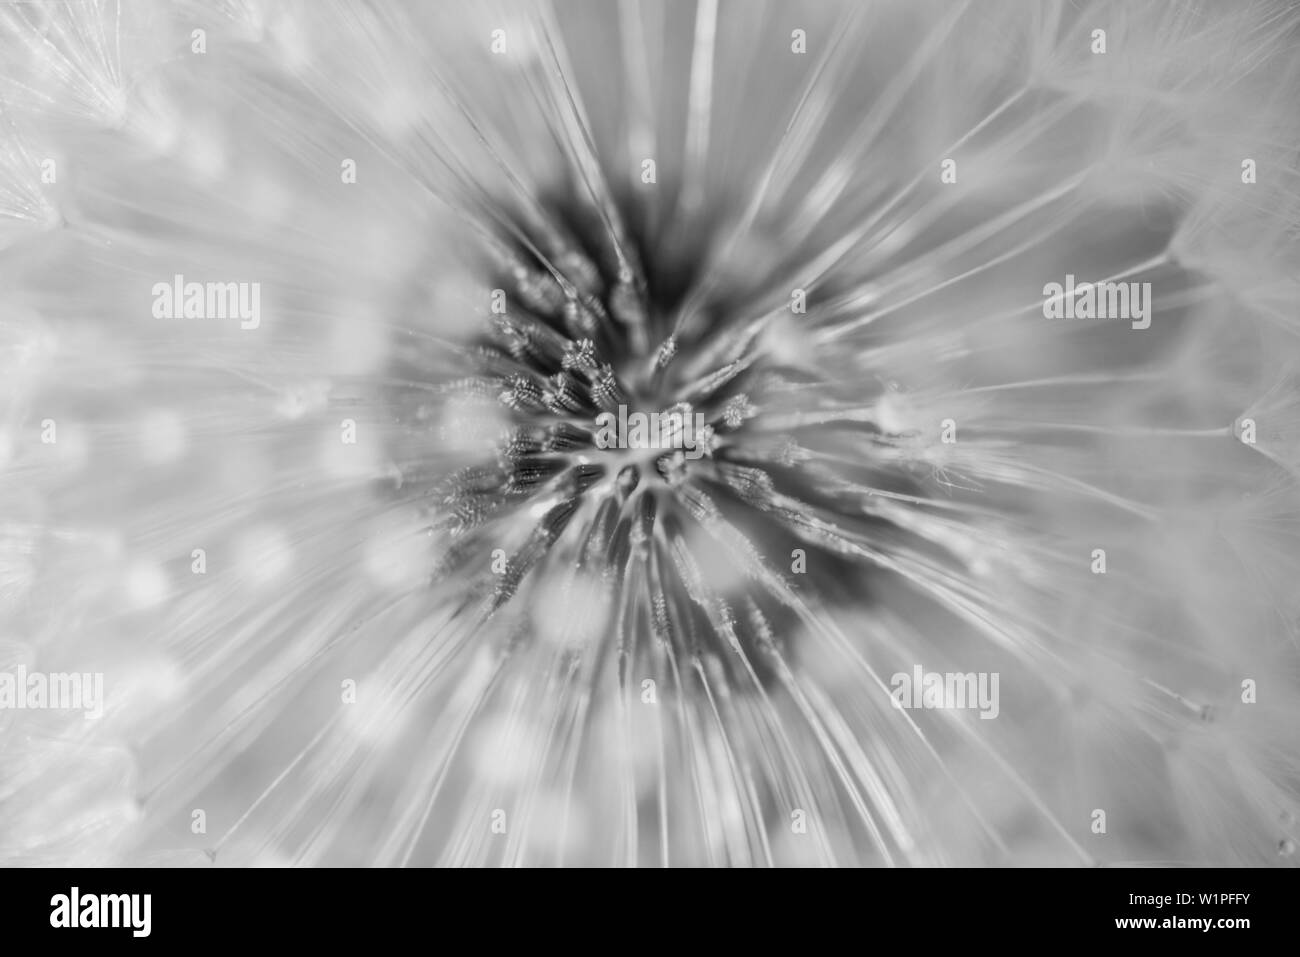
x,y
397,597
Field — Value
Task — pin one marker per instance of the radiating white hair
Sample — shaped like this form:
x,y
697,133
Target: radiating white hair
x,y
360,595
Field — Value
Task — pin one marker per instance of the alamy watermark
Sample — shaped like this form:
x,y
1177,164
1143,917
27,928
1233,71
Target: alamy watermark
x,y
946,690
1098,300
130,911
179,299
22,690
654,430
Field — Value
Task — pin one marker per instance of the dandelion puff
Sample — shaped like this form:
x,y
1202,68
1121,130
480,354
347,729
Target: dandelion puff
x,y
23,202
67,58
560,434
1271,424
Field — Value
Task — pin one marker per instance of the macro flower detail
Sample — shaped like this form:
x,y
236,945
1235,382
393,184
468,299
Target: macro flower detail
x,y
649,434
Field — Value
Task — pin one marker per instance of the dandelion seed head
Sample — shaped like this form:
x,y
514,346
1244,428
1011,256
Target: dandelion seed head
x,y
668,648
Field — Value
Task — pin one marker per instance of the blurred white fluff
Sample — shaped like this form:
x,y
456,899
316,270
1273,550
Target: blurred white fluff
x,y
227,690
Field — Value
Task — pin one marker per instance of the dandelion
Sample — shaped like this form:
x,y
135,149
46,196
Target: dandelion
x,y
376,571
